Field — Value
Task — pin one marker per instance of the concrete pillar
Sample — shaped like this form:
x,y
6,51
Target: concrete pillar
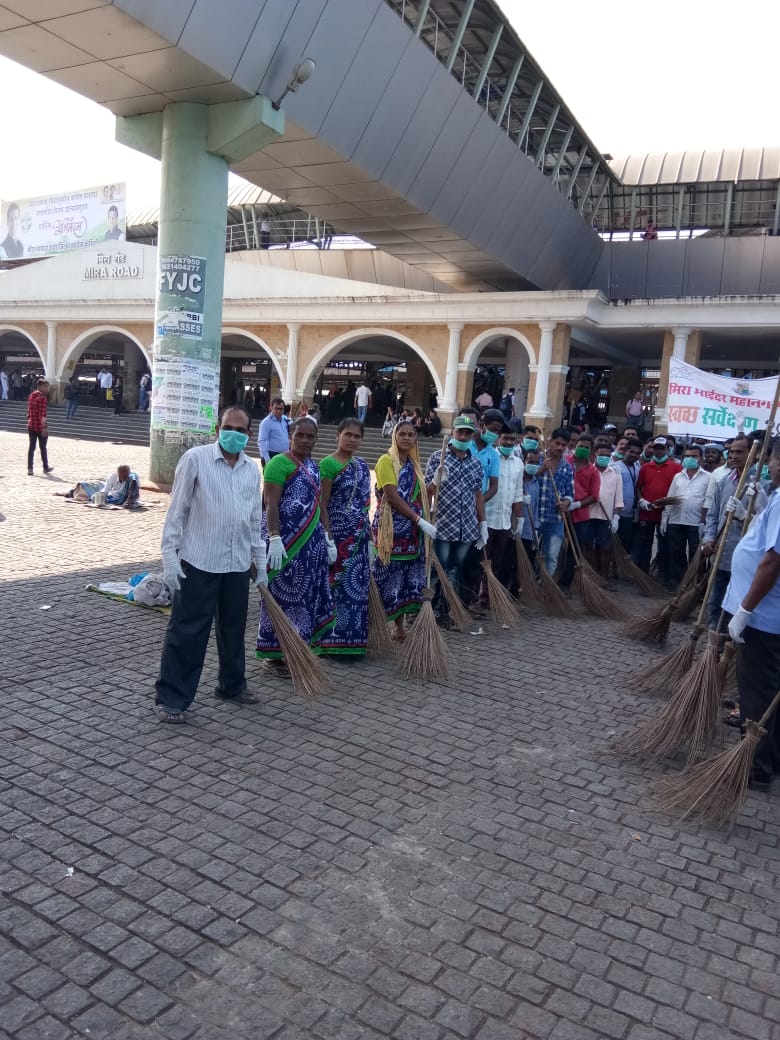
x,y
55,392
290,391
680,343
660,426
693,348
449,402
134,368
540,408
196,144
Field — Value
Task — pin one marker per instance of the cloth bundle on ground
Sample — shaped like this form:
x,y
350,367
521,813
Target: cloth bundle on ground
x,y
119,489
146,589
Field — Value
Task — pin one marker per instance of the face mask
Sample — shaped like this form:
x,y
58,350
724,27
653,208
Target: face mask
x,y
725,454
582,453
765,472
506,450
530,445
232,441
645,456
488,437
689,463
661,461
602,461
619,455
459,445
532,468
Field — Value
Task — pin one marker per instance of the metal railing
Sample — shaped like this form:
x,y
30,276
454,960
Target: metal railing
x,y
290,233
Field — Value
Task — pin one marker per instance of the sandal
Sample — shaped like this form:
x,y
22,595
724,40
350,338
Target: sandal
x,y
731,718
175,718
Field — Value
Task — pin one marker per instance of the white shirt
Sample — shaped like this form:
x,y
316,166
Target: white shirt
x,y
362,396
498,511
693,493
610,495
214,516
106,380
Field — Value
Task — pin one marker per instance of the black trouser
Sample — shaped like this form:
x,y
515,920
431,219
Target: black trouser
x,y
583,533
500,552
203,598
682,541
471,575
626,532
645,536
117,403
758,680
41,439
719,585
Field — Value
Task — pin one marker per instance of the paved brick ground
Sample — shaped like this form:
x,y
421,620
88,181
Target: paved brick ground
x,y
461,861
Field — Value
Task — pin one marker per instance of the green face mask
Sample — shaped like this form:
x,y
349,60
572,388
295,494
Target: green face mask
x,y
660,461
582,453
506,449
530,445
602,461
619,455
489,437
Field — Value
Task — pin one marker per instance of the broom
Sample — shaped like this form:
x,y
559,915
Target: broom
x,y
424,651
676,664
688,601
503,606
551,599
308,675
626,569
715,790
456,608
526,579
379,642
727,668
588,583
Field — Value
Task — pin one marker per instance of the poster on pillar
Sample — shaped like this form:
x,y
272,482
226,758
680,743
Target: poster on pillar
x,y
185,395
702,404
182,292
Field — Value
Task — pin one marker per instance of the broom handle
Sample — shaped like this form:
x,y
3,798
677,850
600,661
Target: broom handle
x,y
768,713
762,457
722,543
428,542
567,521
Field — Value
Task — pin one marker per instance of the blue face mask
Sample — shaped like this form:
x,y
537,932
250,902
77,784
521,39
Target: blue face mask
x,y
506,449
725,454
602,461
690,463
232,441
765,472
660,461
532,468
459,445
530,445
488,437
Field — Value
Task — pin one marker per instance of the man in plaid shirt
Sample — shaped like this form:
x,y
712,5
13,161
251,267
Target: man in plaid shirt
x,y
554,468
37,427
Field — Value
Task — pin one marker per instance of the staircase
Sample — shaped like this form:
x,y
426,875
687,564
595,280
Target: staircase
x,y
100,424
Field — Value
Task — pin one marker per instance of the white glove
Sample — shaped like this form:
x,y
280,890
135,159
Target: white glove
x,y
174,578
332,550
739,623
276,554
733,505
614,524
664,525
750,490
574,505
645,506
262,576
426,527
483,535
526,500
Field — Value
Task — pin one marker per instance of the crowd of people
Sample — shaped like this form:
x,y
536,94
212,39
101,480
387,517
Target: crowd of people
x,y
315,545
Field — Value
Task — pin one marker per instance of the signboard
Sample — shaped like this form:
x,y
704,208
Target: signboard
x,y
52,224
180,301
110,265
185,395
701,404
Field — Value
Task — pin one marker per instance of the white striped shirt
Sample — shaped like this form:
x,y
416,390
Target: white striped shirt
x,y
214,516
498,511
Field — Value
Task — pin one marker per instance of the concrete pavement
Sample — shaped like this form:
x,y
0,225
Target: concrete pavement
x,y
465,860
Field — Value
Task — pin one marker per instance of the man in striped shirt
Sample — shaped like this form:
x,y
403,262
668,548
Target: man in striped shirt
x,y
210,538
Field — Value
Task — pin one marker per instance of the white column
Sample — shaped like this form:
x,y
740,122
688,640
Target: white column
x,y
540,407
680,343
449,403
291,376
51,349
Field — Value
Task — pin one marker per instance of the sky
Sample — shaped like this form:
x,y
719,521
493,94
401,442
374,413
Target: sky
x,y
673,75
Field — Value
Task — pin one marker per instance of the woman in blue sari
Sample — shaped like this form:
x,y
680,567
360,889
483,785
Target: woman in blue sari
x,y
346,497
297,544
399,524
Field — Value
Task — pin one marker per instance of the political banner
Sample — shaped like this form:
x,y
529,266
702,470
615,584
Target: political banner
x,y
701,404
50,224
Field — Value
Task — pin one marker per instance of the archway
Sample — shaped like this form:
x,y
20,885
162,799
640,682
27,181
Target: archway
x,y
500,358
106,346
248,367
19,353
394,366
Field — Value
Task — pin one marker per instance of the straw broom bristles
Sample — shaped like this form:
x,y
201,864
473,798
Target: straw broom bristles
x,y
693,572
502,606
727,668
459,616
592,594
670,669
552,599
379,642
715,790
688,600
424,652
627,570
308,675
530,593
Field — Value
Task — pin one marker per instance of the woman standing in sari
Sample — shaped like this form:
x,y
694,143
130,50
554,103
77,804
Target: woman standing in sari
x,y
399,524
298,548
346,497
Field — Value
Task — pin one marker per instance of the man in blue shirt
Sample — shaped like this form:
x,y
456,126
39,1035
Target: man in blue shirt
x,y
273,437
628,468
556,473
753,597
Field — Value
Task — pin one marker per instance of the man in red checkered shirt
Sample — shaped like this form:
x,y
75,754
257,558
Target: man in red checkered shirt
x,y
37,427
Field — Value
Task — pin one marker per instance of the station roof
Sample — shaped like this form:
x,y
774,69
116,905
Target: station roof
x,y
696,167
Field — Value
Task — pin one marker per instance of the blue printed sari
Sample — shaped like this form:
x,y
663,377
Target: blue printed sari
x,y
401,581
350,499
301,586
